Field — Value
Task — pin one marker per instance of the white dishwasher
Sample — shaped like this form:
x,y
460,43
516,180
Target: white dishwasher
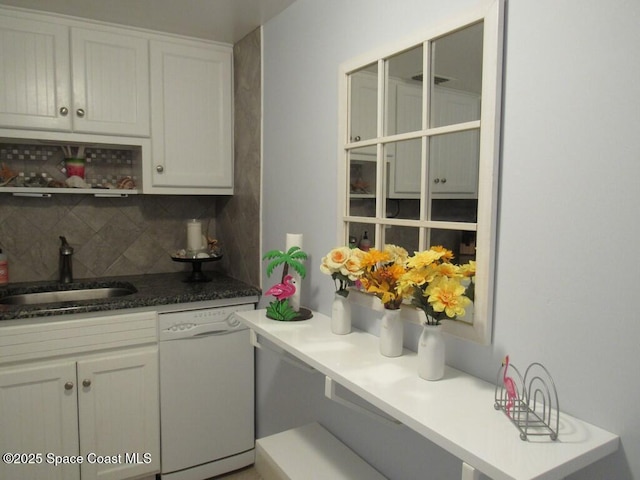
x,y
206,393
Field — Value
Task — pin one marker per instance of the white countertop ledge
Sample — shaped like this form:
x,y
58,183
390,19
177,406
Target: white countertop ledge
x,y
455,412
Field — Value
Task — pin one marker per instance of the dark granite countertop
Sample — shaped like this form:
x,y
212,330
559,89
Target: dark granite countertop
x,y
152,290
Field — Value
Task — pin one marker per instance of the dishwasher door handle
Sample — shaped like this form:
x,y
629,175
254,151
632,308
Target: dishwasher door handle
x,y
197,331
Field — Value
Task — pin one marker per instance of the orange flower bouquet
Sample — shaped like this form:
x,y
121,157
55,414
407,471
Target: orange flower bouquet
x,y
382,274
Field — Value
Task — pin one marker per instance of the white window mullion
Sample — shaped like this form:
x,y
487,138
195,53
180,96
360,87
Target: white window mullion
x,y
381,172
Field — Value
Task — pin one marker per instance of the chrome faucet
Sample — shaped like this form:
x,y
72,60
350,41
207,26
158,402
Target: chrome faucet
x,y
66,269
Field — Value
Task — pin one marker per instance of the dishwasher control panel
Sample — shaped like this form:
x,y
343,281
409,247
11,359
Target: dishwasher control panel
x,y
186,323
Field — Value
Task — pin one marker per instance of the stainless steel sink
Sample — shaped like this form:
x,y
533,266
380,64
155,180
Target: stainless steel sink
x,y
86,292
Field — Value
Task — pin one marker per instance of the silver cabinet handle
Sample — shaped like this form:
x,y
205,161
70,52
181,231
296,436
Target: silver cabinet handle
x,y
159,169
86,383
64,111
80,112
68,386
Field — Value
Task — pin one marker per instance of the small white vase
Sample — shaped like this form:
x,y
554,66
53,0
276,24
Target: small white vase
x,y
431,353
391,333
341,315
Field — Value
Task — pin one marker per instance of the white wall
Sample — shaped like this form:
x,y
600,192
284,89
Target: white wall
x,y
569,221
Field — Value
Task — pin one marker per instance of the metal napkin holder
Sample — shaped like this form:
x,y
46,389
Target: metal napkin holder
x,y
535,410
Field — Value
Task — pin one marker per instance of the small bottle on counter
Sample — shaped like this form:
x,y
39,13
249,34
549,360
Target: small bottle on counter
x,y
4,269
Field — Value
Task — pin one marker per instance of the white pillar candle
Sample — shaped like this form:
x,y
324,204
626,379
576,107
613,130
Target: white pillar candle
x,y
295,240
194,235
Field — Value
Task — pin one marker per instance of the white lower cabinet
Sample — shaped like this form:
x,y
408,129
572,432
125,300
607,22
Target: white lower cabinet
x,y
95,414
119,415
39,411
103,410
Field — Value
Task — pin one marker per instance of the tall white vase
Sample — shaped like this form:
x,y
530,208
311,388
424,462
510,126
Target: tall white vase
x,y
341,315
431,353
391,333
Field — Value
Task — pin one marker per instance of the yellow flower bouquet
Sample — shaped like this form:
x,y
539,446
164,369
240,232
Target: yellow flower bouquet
x,y
441,289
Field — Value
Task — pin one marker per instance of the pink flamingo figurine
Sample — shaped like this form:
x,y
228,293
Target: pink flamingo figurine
x,y
509,385
283,290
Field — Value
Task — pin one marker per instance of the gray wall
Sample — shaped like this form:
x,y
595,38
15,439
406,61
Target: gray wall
x,y
238,219
568,219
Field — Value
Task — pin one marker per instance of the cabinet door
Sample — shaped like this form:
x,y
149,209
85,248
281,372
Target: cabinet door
x,y
110,83
454,157
192,134
35,85
38,408
118,405
364,107
406,165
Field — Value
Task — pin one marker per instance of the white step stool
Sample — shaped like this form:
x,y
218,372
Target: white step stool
x,y
310,453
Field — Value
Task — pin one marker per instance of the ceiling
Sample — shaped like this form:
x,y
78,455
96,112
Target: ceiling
x,y
220,20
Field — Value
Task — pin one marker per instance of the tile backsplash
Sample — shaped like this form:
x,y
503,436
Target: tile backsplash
x,y
111,236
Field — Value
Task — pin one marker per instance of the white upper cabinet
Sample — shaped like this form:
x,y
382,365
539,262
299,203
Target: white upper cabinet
x,y
72,79
192,118
406,113
36,75
453,157
110,82
66,80
364,105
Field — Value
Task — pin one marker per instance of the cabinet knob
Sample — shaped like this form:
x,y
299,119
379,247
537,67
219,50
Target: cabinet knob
x,y
86,383
159,169
443,180
357,138
68,386
64,111
436,180
80,112
439,180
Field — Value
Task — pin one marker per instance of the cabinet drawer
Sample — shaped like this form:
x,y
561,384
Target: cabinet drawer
x,y
57,338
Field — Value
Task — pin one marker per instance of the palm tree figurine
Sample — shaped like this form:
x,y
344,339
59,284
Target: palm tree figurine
x,y
281,308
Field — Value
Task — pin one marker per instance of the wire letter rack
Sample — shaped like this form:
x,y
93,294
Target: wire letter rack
x,y
534,408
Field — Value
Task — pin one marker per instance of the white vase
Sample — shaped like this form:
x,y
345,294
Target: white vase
x,y
391,333
431,353
341,315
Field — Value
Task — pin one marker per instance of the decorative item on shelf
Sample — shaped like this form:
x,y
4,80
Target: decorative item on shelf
x,y
4,269
344,266
200,249
195,239
360,186
391,333
74,163
442,290
126,183
286,307
6,175
295,240
531,403
381,274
